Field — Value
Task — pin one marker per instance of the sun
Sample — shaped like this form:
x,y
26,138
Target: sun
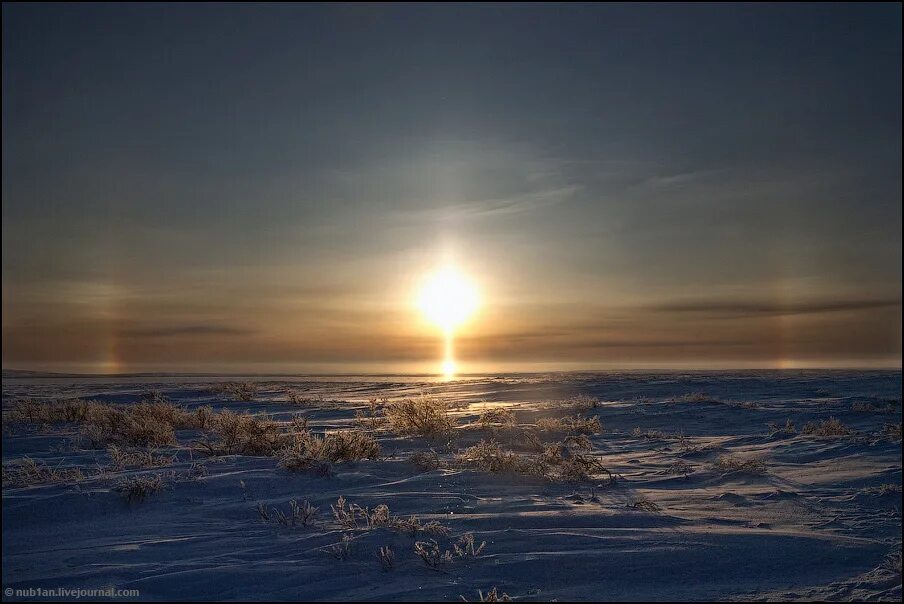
x,y
448,298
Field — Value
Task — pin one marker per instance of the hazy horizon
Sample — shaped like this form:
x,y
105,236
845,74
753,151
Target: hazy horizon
x,y
258,188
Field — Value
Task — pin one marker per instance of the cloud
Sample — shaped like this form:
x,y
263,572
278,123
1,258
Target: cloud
x,y
735,308
186,330
515,204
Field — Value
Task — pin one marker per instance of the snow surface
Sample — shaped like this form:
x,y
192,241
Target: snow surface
x,y
815,525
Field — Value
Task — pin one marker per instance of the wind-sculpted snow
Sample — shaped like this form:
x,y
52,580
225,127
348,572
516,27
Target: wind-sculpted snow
x,y
693,486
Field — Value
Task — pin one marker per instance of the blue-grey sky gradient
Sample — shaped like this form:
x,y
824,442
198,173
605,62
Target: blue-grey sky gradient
x,y
249,186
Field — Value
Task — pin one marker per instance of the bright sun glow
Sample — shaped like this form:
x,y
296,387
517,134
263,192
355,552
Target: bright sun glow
x,y
448,299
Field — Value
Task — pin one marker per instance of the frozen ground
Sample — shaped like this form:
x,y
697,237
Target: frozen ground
x,y
819,519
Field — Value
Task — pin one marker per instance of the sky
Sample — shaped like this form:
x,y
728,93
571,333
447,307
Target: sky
x,y
261,188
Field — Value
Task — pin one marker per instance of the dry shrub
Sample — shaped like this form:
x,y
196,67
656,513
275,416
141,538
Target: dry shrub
x,y
204,417
826,428
137,488
581,468
167,413
308,451
570,425
419,417
126,429
584,402
241,434
499,417
489,456
27,472
349,445
727,464
425,461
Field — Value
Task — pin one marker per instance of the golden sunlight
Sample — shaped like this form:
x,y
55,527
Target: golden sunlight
x,y
447,299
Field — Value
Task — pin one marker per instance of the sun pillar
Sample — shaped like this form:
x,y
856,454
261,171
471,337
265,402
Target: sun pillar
x,y
449,354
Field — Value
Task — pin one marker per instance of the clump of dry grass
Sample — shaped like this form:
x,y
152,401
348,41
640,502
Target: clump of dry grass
x,y
370,418
643,504
27,472
124,458
346,515
727,464
413,526
355,517
425,461
678,467
787,429
695,397
422,416
558,461
882,490
386,557
343,549
158,408
431,554
137,488
149,423
892,563
584,402
892,431
295,397
649,434
299,515
466,546
239,391
826,428
570,425
687,446
491,596
53,412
